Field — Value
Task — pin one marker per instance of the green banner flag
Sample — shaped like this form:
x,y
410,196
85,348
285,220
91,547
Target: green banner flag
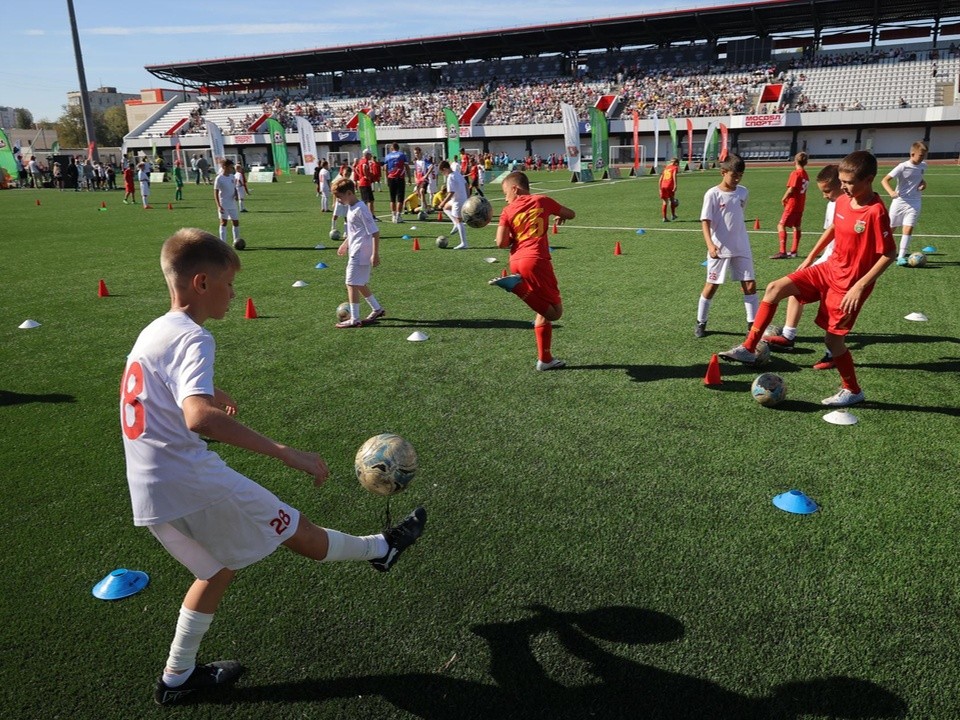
x,y
452,123
55,148
367,132
7,161
599,141
673,137
278,142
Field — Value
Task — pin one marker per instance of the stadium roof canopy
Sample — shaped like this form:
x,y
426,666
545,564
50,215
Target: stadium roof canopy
x,y
796,18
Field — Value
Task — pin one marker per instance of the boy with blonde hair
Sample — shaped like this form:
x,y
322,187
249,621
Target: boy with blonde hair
x,y
906,199
209,517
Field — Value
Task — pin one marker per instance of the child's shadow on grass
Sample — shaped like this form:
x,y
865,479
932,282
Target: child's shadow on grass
x,y
619,687
9,397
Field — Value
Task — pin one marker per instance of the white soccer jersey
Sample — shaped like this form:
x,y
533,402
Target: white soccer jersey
x,y
239,182
457,185
324,178
908,177
170,470
827,222
226,190
360,228
728,228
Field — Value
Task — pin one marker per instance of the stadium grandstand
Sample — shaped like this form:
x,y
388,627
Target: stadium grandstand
x,y
825,76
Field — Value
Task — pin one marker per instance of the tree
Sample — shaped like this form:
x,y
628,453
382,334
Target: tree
x,y
114,126
23,118
70,130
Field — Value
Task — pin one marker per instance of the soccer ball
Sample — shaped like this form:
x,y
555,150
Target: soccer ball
x,y
917,259
422,215
239,244
335,235
773,331
442,241
768,389
763,353
343,311
477,211
386,464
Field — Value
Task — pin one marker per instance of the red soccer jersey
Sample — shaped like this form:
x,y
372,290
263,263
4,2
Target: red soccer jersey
x,y
668,180
861,236
797,183
362,173
528,218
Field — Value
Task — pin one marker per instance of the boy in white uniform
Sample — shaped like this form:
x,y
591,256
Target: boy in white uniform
x,y
905,207
323,184
225,193
240,180
209,517
143,175
362,245
728,247
455,196
339,209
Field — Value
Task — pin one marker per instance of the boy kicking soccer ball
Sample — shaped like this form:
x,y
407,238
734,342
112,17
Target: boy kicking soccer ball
x,y
209,517
863,249
362,245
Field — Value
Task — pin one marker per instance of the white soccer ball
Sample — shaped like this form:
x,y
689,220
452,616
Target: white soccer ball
x,y
477,211
335,235
442,241
343,311
773,331
768,389
762,353
917,259
386,464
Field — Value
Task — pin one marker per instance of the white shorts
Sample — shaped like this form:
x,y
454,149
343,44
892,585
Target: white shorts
x,y
904,212
229,213
740,268
454,207
358,274
233,533
144,188
339,209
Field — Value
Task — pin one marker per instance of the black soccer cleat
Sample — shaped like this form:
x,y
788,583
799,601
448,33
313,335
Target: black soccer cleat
x,y
401,536
219,673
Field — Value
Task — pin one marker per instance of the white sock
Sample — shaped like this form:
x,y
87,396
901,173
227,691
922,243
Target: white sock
x,y
789,333
751,304
341,546
191,627
354,311
240,203
372,301
904,245
462,232
236,231
703,309
223,233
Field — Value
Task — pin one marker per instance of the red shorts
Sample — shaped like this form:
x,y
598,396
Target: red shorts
x,y
667,194
813,284
539,275
791,217
128,187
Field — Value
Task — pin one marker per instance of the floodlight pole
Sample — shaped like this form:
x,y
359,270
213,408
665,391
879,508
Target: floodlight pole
x,y
84,98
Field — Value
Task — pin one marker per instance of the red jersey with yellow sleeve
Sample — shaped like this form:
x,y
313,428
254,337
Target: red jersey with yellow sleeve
x,y
861,236
528,218
668,179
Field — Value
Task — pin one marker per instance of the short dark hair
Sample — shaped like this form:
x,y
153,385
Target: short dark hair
x,y
733,163
861,163
519,179
829,174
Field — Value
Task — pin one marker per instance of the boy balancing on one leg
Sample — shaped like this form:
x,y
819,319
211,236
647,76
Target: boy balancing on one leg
x,y
523,229
362,244
905,207
828,181
728,247
209,517
794,200
863,249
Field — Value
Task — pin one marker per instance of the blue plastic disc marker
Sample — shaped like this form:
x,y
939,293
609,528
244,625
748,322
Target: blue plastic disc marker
x,y
120,583
794,501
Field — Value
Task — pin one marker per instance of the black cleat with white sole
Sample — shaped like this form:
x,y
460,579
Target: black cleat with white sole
x,y
219,673
401,536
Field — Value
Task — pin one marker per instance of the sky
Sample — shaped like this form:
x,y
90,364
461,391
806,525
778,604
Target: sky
x,y
118,38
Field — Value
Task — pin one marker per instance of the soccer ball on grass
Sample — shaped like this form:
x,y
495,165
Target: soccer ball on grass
x,y
386,464
442,241
343,311
477,211
917,259
768,389
335,235
239,244
762,353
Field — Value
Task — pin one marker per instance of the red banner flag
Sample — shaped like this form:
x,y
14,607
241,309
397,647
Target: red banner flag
x,y
723,142
636,142
689,141
90,149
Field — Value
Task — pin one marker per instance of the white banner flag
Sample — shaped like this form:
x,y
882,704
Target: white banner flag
x,y
308,145
216,143
571,136
711,129
656,143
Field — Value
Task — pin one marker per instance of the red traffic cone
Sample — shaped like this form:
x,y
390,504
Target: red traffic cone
x,y
713,372
251,313
503,273
102,290
38,202
616,249
555,230
756,224
416,243
103,203
439,214
169,206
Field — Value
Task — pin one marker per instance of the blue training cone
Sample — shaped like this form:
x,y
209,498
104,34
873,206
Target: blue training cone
x,y
321,266
795,502
120,583
705,263
929,249
405,237
641,231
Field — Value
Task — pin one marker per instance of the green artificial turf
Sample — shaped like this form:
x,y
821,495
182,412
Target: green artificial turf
x,y
601,540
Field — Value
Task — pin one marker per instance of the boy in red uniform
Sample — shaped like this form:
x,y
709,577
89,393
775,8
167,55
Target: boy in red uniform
x,y
523,229
668,189
793,201
128,192
863,249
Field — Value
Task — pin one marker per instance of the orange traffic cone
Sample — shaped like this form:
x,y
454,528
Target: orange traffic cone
x,y
503,273
713,372
616,249
38,202
756,224
251,313
102,290
169,206
416,243
439,214
103,203
555,231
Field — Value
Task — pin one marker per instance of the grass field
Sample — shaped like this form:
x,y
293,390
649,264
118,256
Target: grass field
x,y
601,539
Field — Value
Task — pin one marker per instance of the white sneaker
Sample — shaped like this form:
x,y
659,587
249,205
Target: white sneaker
x,y
461,246
554,364
740,354
844,398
